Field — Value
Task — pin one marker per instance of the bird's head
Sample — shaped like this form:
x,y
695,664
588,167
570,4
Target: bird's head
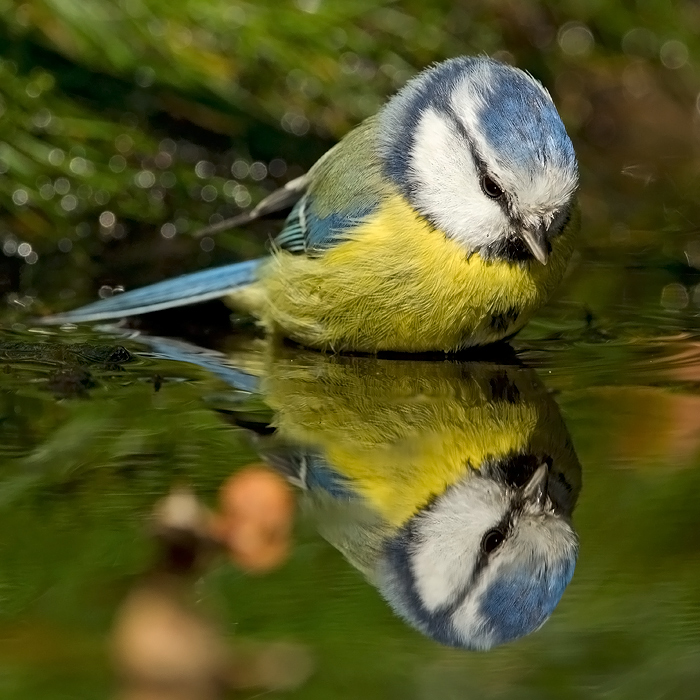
x,y
478,148
486,562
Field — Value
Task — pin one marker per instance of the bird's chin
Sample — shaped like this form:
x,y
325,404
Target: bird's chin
x,y
512,249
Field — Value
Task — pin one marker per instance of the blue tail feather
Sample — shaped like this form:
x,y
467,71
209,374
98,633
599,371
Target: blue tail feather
x,y
181,291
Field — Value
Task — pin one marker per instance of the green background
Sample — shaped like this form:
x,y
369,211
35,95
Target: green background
x,y
126,126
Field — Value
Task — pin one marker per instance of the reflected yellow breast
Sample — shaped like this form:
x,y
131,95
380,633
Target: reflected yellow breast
x,y
399,478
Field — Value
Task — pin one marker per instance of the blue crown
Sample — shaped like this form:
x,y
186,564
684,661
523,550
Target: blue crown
x,y
518,119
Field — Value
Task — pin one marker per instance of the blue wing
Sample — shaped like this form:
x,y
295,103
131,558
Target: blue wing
x,y
181,291
344,187
307,232
306,468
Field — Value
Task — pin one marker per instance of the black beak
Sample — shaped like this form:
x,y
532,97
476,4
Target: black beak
x,y
535,490
536,241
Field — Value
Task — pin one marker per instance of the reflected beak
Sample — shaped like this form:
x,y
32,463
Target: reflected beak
x,y
535,491
536,241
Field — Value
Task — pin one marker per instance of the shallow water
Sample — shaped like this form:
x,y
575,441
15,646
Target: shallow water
x,y
95,427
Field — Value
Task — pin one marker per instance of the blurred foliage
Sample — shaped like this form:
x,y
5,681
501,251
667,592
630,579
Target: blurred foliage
x,y
126,125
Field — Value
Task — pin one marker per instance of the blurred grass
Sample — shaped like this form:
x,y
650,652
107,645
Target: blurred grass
x,y
126,125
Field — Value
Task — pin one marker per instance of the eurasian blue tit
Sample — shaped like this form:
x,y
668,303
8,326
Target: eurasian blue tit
x,y
443,222
449,485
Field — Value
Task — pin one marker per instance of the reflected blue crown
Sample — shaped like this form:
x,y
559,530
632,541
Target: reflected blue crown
x,y
515,603
522,598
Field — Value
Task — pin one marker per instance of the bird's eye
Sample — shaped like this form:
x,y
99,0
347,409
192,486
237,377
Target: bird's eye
x,y
491,188
492,540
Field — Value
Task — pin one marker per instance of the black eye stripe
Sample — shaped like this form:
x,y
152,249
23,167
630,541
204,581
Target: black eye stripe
x,y
482,559
452,118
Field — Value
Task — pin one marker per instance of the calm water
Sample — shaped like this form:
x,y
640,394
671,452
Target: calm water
x,y
94,428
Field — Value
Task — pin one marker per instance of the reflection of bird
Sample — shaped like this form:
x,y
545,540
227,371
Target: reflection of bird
x,y
444,222
449,485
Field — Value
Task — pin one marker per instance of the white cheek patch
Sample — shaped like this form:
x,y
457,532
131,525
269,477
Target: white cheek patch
x,y
446,185
450,540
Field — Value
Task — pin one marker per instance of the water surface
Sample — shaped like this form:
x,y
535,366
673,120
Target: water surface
x,y
94,429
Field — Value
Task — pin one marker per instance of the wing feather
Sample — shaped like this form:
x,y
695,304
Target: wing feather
x,y
344,187
338,193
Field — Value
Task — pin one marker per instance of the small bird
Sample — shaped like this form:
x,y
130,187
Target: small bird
x,y
443,222
449,485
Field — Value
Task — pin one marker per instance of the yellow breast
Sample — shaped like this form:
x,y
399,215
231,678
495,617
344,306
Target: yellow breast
x,y
398,284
